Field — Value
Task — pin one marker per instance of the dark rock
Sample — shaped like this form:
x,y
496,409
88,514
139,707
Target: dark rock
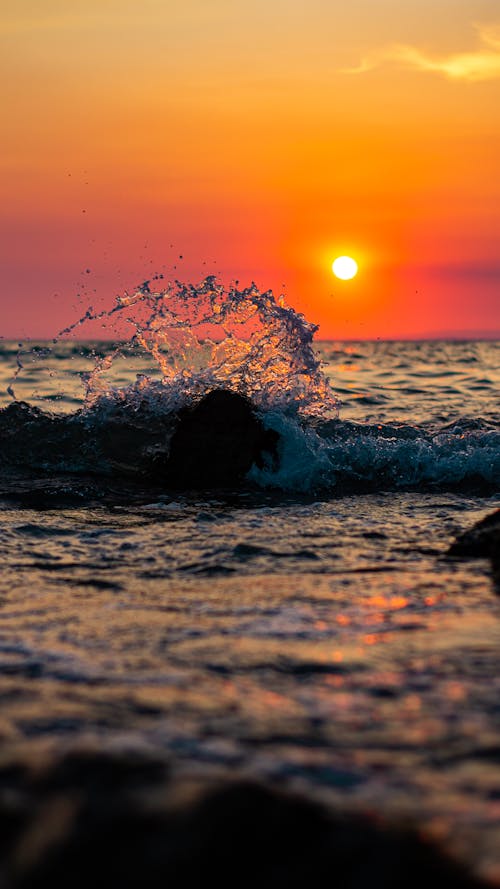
x,y
481,541
211,444
110,819
216,442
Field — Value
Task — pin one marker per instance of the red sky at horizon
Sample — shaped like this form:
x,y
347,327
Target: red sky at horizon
x,y
257,141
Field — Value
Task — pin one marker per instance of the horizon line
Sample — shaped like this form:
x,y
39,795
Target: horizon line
x,y
459,336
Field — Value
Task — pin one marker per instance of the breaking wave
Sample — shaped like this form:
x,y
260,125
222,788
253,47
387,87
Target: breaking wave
x,y
345,456
195,339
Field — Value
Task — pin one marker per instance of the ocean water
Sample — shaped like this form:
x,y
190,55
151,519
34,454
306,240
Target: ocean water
x,y
306,629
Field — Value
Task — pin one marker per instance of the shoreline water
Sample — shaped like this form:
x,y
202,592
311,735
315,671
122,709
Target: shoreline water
x,y
317,643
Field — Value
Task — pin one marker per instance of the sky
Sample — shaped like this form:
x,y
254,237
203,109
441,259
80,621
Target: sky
x,y
256,141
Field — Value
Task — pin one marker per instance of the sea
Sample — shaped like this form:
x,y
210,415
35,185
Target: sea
x,y
306,629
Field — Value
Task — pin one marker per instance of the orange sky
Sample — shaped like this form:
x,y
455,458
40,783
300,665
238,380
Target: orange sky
x,y
259,139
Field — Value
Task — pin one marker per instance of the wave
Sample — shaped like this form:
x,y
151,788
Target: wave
x,y
311,456
344,456
243,341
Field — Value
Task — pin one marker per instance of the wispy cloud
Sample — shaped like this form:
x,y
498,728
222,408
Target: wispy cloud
x,y
478,65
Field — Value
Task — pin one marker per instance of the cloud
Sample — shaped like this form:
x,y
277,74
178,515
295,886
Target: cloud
x,y
479,65
476,271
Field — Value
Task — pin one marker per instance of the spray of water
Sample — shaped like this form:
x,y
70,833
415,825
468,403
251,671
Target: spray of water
x,y
209,336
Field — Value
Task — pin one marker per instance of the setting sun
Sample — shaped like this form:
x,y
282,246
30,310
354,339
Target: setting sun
x,y
345,268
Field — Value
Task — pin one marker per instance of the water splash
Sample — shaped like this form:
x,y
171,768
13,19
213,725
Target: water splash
x,y
18,370
208,336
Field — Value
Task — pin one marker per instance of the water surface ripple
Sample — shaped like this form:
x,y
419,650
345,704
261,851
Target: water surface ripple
x,y
296,633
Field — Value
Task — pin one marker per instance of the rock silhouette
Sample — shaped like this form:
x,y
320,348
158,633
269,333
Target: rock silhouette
x,y
216,442
92,817
481,541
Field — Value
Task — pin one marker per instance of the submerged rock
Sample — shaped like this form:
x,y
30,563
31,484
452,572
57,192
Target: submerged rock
x,y
216,442
120,819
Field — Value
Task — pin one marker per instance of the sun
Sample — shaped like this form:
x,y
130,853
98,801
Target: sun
x,y
345,268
